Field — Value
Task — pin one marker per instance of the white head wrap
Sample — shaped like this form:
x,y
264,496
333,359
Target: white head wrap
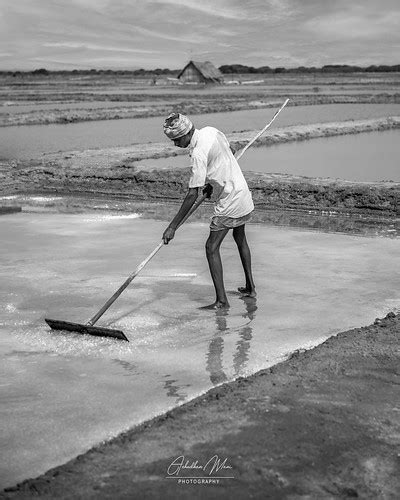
x,y
177,125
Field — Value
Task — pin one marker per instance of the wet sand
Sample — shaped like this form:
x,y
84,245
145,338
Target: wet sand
x,y
322,424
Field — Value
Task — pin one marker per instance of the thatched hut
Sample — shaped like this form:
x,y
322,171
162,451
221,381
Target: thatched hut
x,y
200,72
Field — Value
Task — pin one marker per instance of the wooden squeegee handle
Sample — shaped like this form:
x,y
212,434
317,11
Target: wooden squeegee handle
x,y
259,134
112,299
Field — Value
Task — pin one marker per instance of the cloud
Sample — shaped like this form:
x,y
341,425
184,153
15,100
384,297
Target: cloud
x,y
210,8
189,38
204,7
92,4
91,46
233,9
150,33
344,25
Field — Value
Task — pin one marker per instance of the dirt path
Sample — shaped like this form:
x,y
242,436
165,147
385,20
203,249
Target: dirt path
x,y
323,424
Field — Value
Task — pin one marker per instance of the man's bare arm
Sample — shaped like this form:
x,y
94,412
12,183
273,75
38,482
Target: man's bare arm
x,y
187,204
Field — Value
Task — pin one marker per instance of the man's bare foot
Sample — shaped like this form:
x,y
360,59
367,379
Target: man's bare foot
x,y
247,292
217,305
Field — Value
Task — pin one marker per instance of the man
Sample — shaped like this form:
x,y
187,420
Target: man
x,y
212,161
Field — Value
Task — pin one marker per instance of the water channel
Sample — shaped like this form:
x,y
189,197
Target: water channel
x,y
370,156
30,141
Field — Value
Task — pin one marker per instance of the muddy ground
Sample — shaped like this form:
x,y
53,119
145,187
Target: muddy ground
x,y
114,172
140,97
213,104
323,424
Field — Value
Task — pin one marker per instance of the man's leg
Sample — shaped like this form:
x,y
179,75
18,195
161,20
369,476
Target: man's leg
x,y
214,261
244,251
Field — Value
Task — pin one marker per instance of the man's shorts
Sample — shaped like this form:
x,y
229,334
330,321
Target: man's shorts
x,y
219,222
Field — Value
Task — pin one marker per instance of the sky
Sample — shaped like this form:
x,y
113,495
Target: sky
x,y
131,34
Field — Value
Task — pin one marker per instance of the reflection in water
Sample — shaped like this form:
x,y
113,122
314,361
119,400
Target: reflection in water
x,y
214,356
130,368
214,364
173,389
214,361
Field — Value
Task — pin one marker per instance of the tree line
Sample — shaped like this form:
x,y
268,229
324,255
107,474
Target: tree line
x,y
135,72
329,68
225,69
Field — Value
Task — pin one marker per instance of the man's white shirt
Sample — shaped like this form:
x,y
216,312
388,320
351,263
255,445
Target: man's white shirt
x,y
212,161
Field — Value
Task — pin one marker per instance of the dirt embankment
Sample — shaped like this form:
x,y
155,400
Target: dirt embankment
x,y
191,106
323,424
115,172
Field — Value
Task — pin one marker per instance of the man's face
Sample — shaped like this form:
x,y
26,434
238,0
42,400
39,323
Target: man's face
x,y
183,142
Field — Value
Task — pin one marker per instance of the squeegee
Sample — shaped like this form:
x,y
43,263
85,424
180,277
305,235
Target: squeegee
x,y
89,327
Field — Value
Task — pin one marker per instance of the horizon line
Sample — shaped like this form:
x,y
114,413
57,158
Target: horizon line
x,y
364,66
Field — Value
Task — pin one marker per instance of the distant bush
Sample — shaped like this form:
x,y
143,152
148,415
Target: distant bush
x,y
265,69
382,69
237,68
41,71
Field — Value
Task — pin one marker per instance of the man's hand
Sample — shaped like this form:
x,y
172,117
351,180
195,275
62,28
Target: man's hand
x,y
168,235
187,204
208,189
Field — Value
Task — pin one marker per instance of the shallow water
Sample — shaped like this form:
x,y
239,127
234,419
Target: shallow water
x,y
369,156
33,140
372,156
62,393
